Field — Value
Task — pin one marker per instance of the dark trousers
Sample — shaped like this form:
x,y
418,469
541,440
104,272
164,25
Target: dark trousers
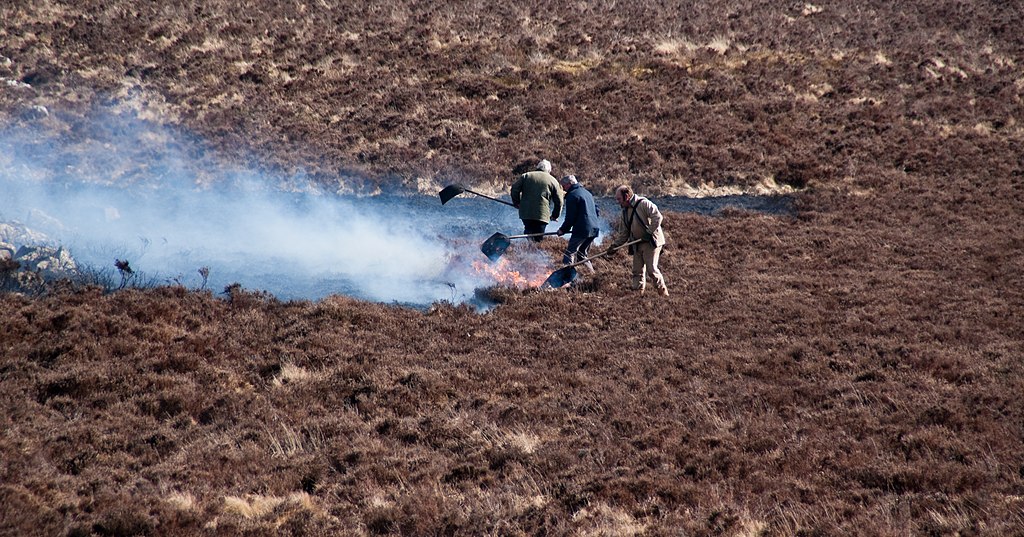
x,y
534,226
578,249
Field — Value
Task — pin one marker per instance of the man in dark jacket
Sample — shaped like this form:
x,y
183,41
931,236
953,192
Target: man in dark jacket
x,y
580,219
539,199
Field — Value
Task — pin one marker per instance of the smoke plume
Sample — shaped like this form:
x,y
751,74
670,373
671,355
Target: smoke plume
x,y
132,190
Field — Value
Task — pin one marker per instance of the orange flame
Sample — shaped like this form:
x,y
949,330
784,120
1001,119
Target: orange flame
x,y
503,273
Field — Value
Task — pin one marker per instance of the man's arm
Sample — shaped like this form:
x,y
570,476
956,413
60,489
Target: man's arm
x,y
571,211
651,217
655,217
517,191
556,200
621,235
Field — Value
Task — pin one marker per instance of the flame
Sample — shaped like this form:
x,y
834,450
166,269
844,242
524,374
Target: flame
x,y
521,268
504,272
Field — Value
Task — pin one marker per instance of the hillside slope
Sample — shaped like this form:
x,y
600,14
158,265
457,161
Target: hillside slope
x,y
854,368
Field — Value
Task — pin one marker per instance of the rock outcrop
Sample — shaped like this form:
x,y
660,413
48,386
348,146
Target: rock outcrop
x,y
27,261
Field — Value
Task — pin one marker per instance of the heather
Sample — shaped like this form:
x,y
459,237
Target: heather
x,y
852,367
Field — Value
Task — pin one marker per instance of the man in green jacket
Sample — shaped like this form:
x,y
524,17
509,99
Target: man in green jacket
x,y
538,196
641,219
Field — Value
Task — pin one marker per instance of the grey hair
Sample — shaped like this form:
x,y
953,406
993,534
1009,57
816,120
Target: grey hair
x,y
569,180
544,166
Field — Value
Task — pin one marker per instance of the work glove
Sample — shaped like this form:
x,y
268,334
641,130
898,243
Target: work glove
x,y
650,239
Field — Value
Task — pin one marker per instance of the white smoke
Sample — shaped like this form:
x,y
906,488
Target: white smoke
x,y
136,191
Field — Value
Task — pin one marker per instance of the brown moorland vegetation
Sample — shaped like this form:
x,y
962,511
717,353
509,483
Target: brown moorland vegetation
x,y
852,369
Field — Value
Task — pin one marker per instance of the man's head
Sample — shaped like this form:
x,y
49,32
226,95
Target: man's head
x,y
568,181
623,194
544,166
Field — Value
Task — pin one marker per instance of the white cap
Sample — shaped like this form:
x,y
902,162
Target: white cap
x,y
544,166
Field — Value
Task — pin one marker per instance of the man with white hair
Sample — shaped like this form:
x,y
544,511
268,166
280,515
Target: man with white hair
x,y
581,219
538,197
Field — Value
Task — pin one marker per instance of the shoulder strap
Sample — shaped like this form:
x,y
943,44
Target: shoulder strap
x,y
629,225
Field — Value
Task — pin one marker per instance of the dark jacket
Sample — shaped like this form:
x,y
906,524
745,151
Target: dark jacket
x,y
538,195
580,213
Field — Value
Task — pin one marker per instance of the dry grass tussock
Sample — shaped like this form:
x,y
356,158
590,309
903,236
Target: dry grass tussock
x,y
182,501
254,506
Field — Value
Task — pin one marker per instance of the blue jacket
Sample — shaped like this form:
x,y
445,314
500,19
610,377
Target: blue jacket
x,y
580,212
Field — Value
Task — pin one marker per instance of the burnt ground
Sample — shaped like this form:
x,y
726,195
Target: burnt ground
x,y
852,369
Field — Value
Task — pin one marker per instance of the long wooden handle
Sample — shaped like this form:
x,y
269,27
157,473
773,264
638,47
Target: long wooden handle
x,y
510,204
604,253
531,235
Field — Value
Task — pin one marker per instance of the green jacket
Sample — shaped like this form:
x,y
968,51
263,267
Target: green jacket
x,y
538,196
